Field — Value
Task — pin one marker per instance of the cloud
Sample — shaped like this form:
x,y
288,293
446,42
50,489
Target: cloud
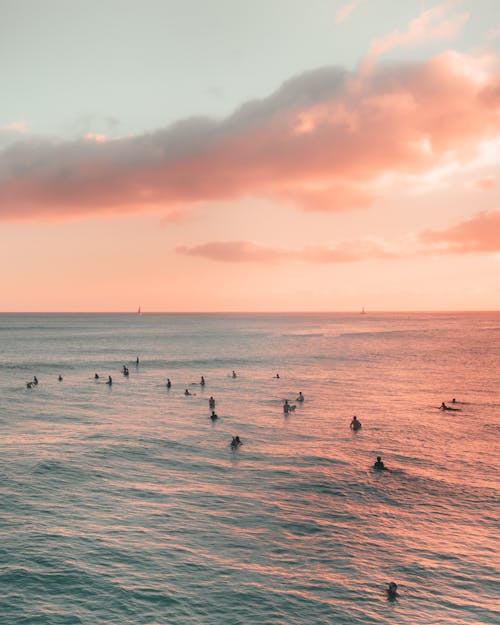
x,y
479,234
322,141
346,11
248,252
431,25
485,183
18,127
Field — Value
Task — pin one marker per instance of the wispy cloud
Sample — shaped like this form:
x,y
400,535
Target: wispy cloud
x,y
480,233
346,10
322,141
249,252
18,127
435,24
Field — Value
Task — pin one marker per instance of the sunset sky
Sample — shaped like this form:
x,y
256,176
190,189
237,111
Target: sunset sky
x,y
226,155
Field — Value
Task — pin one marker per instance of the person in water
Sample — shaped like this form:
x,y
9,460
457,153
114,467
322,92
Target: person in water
x,y
202,381
453,401
137,360
186,392
444,406
234,374
29,384
236,442
277,375
110,380
96,376
211,402
60,378
355,423
379,465
213,416
169,383
35,380
300,397
392,590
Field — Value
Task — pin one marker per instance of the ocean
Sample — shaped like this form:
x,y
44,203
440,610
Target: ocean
x,y
125,504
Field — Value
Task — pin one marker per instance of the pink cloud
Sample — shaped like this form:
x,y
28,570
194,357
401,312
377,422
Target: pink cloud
x,y
431,24
18,127
346,10
485,183
248,252
480,233
322,141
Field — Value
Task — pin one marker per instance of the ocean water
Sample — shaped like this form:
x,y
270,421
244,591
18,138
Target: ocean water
x,y
125,504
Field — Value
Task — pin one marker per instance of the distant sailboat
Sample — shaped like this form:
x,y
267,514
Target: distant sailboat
x,y
139,311
363,311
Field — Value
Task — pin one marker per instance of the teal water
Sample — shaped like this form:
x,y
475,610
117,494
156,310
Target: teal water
x,y
126,505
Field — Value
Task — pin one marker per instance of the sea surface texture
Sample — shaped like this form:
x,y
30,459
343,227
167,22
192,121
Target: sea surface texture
x,y
124,504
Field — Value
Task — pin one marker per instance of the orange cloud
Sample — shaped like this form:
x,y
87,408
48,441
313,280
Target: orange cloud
x,y
248,252
323,141
481,233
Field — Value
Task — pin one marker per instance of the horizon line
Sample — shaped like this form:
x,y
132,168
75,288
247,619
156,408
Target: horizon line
x,y
241,312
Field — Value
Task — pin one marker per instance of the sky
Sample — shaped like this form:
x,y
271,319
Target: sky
x,y
226,155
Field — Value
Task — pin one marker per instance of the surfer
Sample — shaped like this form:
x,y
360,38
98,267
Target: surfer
x,y
211,403
169,383
110,380
236,442
29,384
213,416
186,392
287,407
300,397
96,376
35,380
392,590
355,424
277,376
202,381
379,465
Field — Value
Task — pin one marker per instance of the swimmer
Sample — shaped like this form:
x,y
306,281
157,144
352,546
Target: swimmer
x,y
60,378
202,381
137,360
169,383
213,416
110,380
300,397
379,465
453,401
277,376
234,374
355,424
96,376
444,406
35,380
392,590
125,370
286,407
29,384
236,442
186,392
211,403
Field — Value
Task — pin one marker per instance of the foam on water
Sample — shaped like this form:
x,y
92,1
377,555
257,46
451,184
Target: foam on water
x,y
125,504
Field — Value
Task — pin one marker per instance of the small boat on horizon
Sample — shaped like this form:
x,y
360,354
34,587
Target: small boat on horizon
x,y
363,311
139,311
